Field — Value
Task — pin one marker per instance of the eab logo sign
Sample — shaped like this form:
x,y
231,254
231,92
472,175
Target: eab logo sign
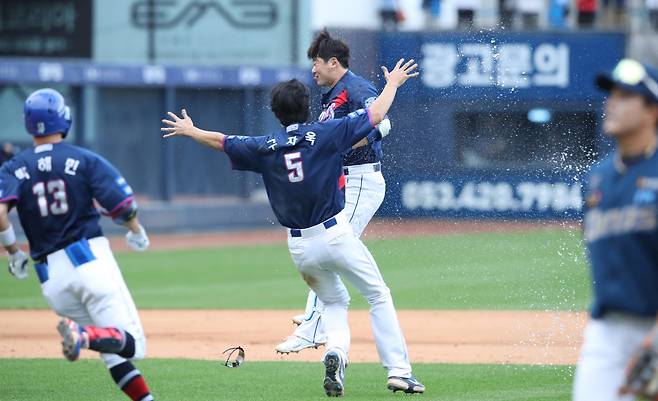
x,y
482,197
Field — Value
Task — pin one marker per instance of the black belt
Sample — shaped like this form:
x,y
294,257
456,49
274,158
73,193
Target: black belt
x,y
376,167
296,233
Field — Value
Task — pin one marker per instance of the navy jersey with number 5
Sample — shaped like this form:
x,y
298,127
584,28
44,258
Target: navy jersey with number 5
x,y
352,93
301,165
53,187
621,234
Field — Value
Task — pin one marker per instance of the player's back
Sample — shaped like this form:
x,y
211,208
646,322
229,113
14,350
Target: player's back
x,y
53,187
305,189
301,166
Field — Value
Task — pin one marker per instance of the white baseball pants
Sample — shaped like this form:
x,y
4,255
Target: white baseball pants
x,y
324,256
364,194
94,294
608,346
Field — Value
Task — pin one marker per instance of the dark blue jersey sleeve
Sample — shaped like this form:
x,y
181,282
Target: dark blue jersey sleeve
x,y
108,187
352,128
9,184
361,98
243,151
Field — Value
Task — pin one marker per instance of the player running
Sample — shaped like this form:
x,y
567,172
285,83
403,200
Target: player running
x,y
301,165
344,92
53,186
621,235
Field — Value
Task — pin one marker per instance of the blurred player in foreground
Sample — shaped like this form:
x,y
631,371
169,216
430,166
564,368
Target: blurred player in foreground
x,y
344,93
53,186
301,165
619,357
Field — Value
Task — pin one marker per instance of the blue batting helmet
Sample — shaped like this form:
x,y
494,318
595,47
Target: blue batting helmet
x,y
46,113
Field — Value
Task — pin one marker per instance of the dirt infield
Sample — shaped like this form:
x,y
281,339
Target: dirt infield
x,y
510,337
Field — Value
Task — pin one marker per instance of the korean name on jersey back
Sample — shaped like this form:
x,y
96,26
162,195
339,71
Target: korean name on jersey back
x,y
301,166
53,187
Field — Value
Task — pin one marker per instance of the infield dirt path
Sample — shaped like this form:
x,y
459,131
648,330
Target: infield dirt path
x,y
510,337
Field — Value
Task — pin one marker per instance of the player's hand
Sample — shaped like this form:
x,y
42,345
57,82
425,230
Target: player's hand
x,y
177,126
18,264
138,241
400,73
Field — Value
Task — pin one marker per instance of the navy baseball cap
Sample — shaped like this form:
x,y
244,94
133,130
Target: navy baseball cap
x,y
632,76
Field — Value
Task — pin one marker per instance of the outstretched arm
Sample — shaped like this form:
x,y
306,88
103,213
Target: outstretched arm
x,y
394,79
185,127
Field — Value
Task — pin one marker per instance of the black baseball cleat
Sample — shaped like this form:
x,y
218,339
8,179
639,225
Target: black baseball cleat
x,y
334,374
409,385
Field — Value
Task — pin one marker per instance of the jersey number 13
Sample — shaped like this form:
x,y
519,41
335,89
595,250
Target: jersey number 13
x,y
57,190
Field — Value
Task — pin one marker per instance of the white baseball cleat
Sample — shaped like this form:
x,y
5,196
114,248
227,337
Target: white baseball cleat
x,y
298,319
71,338
295,344
409,385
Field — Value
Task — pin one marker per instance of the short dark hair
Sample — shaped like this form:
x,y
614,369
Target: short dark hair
x,y
290,102
326,47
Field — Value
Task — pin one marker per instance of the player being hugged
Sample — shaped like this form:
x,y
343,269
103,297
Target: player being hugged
x,y
343,92
53,186
619,357
301,165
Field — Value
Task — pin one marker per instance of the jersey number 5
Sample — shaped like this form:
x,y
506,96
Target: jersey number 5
x,y
56,189
294,166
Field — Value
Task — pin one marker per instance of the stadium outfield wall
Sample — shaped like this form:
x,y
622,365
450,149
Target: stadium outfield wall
x,y
501,125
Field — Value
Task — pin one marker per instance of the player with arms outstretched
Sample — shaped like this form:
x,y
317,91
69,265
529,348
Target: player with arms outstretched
x,y
300,165
53,186
343,92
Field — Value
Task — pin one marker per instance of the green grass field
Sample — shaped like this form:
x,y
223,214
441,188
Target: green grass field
x,y
182,380
543,270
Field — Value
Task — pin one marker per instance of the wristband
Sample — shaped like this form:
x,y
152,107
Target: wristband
x,y
8,237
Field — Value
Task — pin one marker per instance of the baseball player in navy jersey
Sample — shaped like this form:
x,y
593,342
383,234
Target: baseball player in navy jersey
x,y
619,359
53,186
301,165
343,93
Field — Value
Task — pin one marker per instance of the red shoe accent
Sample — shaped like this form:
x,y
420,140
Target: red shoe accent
x,y
95,333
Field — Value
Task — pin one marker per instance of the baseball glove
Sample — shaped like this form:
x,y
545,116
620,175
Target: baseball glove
x,y
642,373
